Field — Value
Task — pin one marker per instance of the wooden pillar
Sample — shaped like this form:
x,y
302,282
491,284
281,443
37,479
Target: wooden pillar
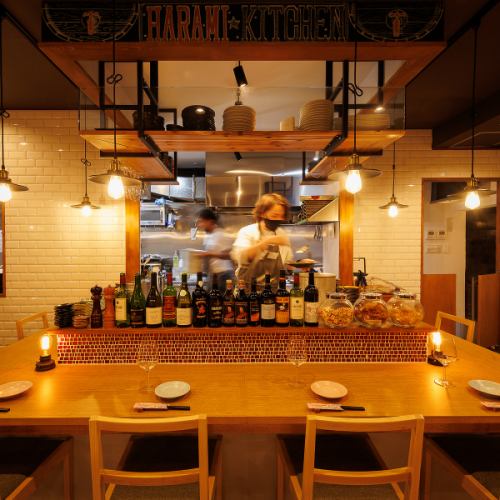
x,y
346,237
132,238
497,229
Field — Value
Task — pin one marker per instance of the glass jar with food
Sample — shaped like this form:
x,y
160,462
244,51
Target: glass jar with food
x,y
370,310
405,310
336,311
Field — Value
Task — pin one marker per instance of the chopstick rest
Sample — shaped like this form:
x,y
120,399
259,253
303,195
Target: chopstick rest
x,y
491,405
4,410
159,407
333,407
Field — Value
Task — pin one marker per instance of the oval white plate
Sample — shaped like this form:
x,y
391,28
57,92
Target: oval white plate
x,y
11,389
328,389
172,389
486,387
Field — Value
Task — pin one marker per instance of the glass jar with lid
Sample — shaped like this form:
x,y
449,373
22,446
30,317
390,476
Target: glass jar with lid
x,y
370,310
336,311
405,310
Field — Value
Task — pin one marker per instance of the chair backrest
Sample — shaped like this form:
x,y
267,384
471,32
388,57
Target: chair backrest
x,y
469,323
102,476
20,323
410,473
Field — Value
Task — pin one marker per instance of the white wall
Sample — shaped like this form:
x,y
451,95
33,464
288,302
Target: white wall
x,y
392,246
53,254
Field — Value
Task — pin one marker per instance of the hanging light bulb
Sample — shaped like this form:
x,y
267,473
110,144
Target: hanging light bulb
x,y
472,199
5,192
115,178
393,210
393,206
86,210
115,187
353,182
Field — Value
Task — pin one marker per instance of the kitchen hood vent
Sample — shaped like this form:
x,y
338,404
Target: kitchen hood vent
x,y
321,208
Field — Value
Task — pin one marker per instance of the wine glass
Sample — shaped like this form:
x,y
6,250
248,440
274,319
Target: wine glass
x,y
147,358
446,354
297,353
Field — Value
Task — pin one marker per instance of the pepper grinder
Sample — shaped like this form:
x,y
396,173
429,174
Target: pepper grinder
x,y
109,308
96,316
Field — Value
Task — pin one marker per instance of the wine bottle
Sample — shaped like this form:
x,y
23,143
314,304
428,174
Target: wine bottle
x,y
241,305
215,306
228,305
311,302
122,315
296,302
137,305
184,309
200,303
267,304
169,302
254,306
154,304
282,302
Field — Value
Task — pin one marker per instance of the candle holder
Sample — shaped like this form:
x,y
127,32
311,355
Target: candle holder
x,y
45,363
435,346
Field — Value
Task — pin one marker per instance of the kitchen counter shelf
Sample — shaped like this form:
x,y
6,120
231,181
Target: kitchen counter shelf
x,y
244,345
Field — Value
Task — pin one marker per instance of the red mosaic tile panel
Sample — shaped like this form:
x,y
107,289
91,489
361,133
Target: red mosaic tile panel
x,y
249,345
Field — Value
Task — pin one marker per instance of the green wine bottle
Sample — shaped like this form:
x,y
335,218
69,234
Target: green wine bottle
x,y
122,303
137,305
169,302
296,302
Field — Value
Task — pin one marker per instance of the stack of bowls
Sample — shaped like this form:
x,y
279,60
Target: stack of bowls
x,y
238,118
316,115
198,118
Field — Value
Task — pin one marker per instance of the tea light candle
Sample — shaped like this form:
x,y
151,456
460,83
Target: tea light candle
x,y
436,340
45,362
45,344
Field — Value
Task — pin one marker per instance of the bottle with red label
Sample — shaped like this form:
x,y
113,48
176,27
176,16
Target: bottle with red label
x,y
169,302
282,302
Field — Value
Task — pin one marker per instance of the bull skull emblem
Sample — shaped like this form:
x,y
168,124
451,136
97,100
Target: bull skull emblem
x,y
92,20
398,19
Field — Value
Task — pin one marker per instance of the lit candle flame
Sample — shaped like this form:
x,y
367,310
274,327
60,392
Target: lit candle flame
x,y
436,340
45,344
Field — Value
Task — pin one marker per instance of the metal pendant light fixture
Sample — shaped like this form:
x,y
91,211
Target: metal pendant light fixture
x,y
6,184
393,206
239,75
354,171
115,178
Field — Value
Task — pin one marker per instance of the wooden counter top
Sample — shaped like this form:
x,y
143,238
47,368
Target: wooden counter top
x,y
248,397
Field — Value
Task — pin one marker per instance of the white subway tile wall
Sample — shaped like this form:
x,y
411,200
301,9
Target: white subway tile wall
x,y
53,253
392,246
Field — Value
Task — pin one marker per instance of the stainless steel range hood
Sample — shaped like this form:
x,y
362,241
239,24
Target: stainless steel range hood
x,y
320,208
243,191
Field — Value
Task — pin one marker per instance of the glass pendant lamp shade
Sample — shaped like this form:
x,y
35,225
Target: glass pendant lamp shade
x,y
393,206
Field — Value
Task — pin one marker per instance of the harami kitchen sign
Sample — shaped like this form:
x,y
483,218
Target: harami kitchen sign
x,y
330,21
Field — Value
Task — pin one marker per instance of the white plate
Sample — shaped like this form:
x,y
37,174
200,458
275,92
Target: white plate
x,y
11,389
328,389
486,387
172,389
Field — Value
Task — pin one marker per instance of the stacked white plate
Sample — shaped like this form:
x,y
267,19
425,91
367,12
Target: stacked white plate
x,y
316,115
238,118
367,121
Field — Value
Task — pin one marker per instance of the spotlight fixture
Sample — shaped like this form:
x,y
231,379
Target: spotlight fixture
x,y
354,171
115,178
238,156
6,184
379,109
393,206
239,75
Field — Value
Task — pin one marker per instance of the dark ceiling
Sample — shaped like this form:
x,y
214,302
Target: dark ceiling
x,y
438,98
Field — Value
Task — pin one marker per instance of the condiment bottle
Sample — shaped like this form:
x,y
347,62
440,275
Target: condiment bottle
x,y
96,316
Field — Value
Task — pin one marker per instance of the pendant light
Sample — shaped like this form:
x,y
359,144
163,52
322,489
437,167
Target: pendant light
x,y
393,206
239,75
115,178
354,171
6,184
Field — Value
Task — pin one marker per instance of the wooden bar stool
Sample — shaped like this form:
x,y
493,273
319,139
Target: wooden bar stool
x,y
26,462
157,464
344,462
473,460
20,323
470,324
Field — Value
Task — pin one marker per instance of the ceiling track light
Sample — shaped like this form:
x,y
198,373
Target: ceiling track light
x,y
354,171
239,75
6,184
115,178
238,156
393,206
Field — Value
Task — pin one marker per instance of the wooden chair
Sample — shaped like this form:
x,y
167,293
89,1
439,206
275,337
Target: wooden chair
x,y
177,465
470,324
20,323
25,463
338,461
472,459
